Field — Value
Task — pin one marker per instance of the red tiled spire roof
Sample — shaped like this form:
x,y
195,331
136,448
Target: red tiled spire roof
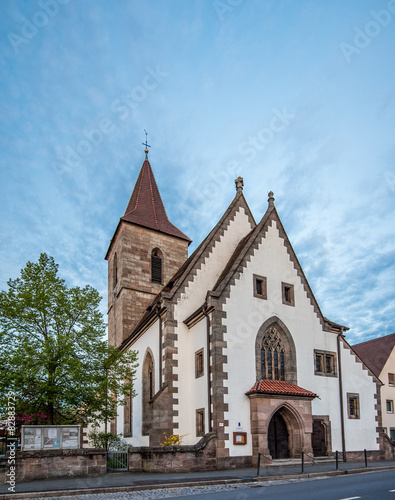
x,y
279,387
146,208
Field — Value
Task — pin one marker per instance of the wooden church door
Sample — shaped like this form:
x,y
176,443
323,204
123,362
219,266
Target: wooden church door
x,y
318,439
278,437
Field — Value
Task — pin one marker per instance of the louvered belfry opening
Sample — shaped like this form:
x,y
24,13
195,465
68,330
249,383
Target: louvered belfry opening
x,y
156,266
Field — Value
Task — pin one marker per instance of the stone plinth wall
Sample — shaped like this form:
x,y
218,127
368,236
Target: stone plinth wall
x,y
47,464
387,447
199,457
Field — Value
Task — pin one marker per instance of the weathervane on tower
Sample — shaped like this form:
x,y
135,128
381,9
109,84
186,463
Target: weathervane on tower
x,y
146,145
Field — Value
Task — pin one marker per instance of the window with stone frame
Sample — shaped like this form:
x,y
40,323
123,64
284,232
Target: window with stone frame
x,y
199,363
272,356
391,379
156,266
390,406
353,405
325,363
288,294
392,433
200,422
260,287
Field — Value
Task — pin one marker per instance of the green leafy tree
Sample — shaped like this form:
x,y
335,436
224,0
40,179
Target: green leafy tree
x,y
53,355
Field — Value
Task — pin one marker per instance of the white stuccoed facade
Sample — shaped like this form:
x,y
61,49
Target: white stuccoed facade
x,y
214,295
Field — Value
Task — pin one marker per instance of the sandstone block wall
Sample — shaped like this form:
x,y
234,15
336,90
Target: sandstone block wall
x,y
48,464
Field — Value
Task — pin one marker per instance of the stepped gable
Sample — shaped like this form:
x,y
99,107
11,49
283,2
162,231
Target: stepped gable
x,y
192,264
375,352
146,208
244,252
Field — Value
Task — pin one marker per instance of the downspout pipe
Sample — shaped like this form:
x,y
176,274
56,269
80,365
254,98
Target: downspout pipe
x,y
210,428
340,335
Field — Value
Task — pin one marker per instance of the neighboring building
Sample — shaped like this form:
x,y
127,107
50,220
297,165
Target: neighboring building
x,y
379,355
230,339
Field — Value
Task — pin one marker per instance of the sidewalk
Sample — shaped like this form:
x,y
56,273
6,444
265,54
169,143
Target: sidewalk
x,y
127,481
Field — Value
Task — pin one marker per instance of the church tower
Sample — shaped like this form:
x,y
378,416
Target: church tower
x,y
145,252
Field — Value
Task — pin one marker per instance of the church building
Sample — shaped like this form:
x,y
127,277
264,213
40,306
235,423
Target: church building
x,y
231,339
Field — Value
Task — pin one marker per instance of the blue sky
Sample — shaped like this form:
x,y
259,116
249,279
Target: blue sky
x,y
296,97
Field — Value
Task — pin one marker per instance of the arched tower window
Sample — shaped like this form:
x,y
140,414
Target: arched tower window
x,y
115,270
148,391
156,265
272,356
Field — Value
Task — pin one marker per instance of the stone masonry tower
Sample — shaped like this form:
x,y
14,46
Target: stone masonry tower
x,y
145,252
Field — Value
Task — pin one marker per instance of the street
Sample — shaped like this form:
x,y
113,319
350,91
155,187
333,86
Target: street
x,y
369,486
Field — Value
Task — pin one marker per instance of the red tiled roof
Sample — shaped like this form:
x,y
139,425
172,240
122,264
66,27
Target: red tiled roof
x,y
376,352
146,208
279,387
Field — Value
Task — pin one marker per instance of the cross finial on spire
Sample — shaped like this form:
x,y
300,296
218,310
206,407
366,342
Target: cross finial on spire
x,y
146,145
239,184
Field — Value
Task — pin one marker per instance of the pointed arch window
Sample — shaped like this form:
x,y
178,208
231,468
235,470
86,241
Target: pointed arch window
x,y
156,265
147,391
272,356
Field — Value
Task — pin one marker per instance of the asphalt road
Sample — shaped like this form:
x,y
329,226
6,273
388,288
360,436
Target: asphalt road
x,y
369,486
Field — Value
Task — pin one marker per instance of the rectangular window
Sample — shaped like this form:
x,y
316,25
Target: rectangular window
x,y
260,287
391,381
353,405
392,434
199,363
390,406
200,422
325,363
288,294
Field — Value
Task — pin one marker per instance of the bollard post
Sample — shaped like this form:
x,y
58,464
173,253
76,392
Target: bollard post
x,y
366,458
337,460
302,462
259,464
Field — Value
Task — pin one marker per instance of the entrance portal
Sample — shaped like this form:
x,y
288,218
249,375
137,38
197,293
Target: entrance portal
x,y
278,437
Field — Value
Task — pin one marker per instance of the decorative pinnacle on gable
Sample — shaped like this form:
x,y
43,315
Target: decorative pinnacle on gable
x,y
239,184
271,199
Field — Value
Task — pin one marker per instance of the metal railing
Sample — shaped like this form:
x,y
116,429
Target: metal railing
x,y
314,460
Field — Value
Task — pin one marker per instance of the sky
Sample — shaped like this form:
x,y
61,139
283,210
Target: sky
x,y
295,97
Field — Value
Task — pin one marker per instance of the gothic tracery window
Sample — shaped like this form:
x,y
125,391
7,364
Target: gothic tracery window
x,y
272,356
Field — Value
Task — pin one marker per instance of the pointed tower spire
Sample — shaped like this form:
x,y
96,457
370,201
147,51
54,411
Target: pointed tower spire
x,y
145,206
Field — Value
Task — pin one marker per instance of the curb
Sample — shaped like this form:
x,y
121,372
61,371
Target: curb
x,y
213,482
